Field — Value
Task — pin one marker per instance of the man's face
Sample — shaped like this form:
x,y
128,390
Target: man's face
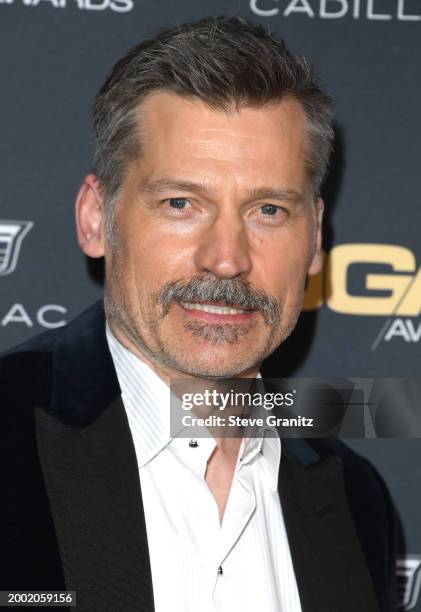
x,y
215,232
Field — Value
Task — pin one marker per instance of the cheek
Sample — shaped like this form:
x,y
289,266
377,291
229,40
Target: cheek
x,y
156,257
282,264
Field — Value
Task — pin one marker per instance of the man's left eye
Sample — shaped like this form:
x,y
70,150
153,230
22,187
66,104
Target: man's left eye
x,y
269,209
179,203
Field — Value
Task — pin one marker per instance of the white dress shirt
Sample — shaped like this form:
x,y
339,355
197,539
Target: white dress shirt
x,y
197,564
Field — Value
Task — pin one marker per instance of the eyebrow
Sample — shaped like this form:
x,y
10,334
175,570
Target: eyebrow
x,y
256,193
163,184
260,193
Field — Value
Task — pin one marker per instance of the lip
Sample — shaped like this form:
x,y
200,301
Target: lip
x,y
213,317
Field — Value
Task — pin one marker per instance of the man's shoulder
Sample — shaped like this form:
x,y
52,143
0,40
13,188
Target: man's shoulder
x,y
26,370
44,343
335,447
40,344
359,473
368,497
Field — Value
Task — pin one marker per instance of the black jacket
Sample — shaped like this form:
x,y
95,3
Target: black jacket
x,y
71,506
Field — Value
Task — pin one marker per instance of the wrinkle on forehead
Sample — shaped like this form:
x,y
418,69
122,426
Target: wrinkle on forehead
x,y
234,149
162,111
181,135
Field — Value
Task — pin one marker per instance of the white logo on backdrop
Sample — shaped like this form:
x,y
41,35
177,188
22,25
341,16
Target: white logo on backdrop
x,y
46,316
118,6
11,235
373,10
409,581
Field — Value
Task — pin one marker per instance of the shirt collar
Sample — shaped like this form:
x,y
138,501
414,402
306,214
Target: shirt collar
x,y
146,398
266,443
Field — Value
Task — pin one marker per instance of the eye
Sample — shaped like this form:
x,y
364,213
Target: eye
x,y
270,209
177,203
271,214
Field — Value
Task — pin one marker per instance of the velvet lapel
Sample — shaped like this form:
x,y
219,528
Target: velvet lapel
x,y
89,465
330,568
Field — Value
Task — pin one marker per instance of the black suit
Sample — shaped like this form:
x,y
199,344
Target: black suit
x,y
72,514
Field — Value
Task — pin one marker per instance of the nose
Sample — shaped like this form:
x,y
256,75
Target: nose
x,y
224,248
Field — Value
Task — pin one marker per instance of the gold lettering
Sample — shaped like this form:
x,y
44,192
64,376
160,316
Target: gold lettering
x,y
342,256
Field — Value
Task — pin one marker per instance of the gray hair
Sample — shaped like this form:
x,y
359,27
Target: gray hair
x,y
223,61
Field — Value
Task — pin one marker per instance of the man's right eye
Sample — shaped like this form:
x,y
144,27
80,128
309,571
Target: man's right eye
x,y
178,203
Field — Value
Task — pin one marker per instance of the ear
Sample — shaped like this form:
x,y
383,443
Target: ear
x,y
317,260
90,218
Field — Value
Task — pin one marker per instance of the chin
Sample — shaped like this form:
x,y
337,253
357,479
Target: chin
x,y
214,372
218,363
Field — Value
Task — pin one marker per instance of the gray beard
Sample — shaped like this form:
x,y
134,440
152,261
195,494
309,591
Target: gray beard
x,y
115,304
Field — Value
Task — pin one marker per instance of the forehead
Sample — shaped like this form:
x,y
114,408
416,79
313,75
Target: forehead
x,y
180,135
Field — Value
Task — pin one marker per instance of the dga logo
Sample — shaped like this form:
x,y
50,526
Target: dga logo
x,y
11,235
408,572
393,292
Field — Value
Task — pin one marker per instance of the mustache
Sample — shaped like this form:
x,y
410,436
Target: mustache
x,y
229,291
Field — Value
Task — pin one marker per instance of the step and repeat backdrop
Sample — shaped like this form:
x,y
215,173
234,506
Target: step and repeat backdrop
x,y
361,317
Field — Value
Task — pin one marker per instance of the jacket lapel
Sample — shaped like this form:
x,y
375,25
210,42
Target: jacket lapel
x,y
90,470
330,568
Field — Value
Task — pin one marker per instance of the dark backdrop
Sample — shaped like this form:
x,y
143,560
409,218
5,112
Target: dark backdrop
x,y
362,317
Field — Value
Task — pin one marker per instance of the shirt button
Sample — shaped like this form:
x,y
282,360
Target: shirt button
x,y
220,570
193,444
